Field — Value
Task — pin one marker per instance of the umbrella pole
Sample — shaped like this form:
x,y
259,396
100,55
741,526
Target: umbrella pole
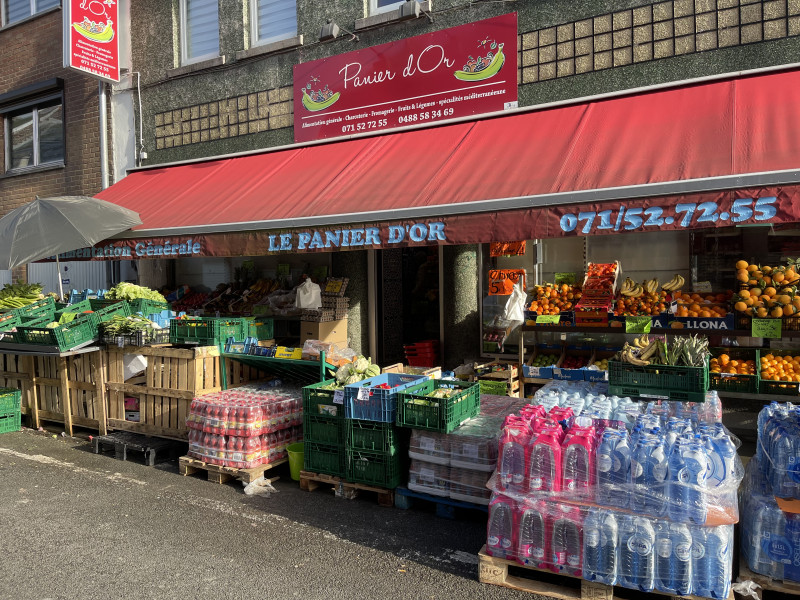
x,y
60,285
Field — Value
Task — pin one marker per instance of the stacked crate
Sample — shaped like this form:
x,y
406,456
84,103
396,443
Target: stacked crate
x,y
372,445
324,429
10,410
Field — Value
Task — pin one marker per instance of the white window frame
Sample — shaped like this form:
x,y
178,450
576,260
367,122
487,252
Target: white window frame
x,y
32,107
184,30
375,10
34,11
254,27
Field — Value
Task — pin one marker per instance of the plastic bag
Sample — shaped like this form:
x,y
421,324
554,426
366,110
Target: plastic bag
x,y
260,487
309,295
133,364
515,306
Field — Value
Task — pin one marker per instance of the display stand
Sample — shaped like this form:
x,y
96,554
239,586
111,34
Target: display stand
x,y
62,387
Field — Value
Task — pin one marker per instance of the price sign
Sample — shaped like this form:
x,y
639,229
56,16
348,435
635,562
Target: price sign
x,y
502,281
638,324
363,393
507,249
548,319
338,397
767,328
568,278
704,287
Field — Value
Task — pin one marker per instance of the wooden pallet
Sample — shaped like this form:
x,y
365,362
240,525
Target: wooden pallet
x,y
559,586
122,442
218,474
770,586
405,498
344,489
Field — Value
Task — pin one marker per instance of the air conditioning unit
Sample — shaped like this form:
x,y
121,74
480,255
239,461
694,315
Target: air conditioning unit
x,y
409,10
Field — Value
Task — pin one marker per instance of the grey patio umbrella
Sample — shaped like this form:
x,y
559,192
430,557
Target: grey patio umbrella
x,y
49,226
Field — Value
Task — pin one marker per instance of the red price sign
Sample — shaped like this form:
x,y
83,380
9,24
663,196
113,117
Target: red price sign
x,y
507,248
502,281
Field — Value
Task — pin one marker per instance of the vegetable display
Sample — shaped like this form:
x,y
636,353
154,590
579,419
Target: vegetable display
x,y
119,325
19,294
689,351
129,291
358,370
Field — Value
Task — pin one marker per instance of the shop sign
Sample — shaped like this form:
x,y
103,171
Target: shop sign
x,y
91,37
497,249
456,72
502,281
638,324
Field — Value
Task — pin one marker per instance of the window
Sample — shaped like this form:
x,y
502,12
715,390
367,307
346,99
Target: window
x,y
381,6
35,135
199,30
16,10
273,20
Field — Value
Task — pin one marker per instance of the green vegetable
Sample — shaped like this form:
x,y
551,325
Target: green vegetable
x,y
128,291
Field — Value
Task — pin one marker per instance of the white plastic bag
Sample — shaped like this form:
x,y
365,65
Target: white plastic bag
x,y
309,295
260,487
515,306
133,364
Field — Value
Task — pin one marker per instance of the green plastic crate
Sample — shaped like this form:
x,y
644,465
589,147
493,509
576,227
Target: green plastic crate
x,y
11,421
98,303
687,384
323,430
783,388
415,408
45,305
146,307
101,315
381,469
725,382
47,317
66,336
372,436
76,307
318,400
261,329
207,331
9,320
328,459
10,400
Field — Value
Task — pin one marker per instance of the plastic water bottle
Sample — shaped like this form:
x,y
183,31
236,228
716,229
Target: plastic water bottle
x,y
695,458
592,545
500,533
664,554
567,543
638,475
637,564
511,459
578,462
784,463
609,548
533,535
620,470
544,473
605,495
681,560
712,550
628,555
677,490
656,474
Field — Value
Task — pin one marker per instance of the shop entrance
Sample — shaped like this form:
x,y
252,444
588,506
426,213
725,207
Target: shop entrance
x,y
408,300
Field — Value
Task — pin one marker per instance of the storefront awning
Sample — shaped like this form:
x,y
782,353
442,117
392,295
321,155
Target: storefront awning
x,y
736,134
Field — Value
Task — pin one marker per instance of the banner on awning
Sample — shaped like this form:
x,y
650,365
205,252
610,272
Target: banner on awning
x,y
766,206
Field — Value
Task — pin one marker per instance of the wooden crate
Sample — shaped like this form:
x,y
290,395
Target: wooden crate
x,y
771,587
510,376
66,389
173,377
218,474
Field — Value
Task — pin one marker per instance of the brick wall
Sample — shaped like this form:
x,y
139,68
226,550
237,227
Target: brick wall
x,y
31,52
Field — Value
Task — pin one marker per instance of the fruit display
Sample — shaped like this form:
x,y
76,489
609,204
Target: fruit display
x,y
602,270
574,362
777,367
352,372
705,306
725,364
767,291
689,351
600,280
19,294
601,364
129,291
189,302
544,360
552,299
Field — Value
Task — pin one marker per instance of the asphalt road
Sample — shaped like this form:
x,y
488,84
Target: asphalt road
x,y
78,525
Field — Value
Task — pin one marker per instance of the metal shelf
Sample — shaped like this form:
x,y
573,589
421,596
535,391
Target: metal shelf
x,y
662,331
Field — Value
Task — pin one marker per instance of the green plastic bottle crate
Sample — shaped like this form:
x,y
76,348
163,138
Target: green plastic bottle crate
x,y
146,307
105,313
76,307
9,320
66,336
207,331
11,421
417,409
319,399
328,459
687,384
10,400
381,469
323,430
261,329
372,436
44,305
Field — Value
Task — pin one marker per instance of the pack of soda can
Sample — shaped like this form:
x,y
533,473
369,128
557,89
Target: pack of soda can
x,y
242,452
246,411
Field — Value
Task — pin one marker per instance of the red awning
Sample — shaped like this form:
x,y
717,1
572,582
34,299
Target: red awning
x,y
721,135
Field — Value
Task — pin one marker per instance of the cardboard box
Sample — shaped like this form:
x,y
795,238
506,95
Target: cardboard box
x,y
330,331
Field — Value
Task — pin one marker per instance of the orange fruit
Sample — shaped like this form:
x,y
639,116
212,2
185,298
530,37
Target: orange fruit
x,y
778,277
756,292
744,294
776,312
752,268
742,264
740,306
789,310
762,312
742,275
770,291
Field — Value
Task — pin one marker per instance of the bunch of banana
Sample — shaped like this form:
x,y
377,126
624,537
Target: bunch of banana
x,y
641,352
631,288
674,284
651,285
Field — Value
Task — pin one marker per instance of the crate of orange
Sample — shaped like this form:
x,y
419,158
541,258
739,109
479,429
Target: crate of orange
x,y
767,292
558,299
734,370
780,372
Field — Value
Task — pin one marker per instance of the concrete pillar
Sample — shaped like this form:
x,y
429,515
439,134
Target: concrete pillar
x,y
154,274
461,316
353,265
